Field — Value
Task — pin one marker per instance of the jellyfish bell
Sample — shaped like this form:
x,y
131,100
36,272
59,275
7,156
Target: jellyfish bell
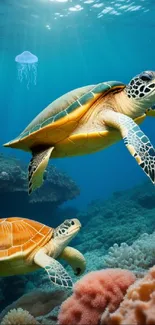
x,y
26,57
27,67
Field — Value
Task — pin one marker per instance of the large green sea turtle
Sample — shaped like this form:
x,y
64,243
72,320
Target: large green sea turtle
x,y
26,245
89,119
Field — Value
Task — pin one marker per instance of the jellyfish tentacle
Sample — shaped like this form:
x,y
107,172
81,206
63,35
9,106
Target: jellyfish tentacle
x,y
27,67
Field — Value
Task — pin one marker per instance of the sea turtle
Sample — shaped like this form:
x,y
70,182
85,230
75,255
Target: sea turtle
x,y
89,119
26,245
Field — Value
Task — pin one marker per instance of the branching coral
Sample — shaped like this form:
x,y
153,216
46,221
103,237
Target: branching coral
x,y
92,294
138,306
137,257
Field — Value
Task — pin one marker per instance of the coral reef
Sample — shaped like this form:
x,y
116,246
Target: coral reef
x,y
37,303
137,257
92,294
105,297
120,219
138,306
57,189
126,220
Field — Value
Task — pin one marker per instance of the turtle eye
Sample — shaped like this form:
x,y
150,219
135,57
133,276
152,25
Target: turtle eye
x,y
146,77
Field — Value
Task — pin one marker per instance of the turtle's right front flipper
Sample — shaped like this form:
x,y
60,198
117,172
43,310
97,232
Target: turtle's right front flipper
x,y
37,167
56,272
135,140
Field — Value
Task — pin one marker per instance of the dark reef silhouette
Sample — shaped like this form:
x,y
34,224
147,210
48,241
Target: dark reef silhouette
x,y
57,189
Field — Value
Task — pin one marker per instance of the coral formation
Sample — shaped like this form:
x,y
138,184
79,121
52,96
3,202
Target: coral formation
x,y
138,306
105,297
120,219
19,317
57,189
37,303
137,257
92,294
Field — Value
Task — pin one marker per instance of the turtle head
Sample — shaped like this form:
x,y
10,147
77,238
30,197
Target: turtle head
x,y
142,89
64,233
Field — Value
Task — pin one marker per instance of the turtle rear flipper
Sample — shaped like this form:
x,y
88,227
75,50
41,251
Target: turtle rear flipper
x,y
37,167
56,272
135,140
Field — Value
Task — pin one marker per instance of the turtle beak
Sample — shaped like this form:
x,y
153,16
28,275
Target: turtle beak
x,y
77,224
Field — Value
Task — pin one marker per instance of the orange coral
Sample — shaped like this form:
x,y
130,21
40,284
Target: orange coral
x,y
138,306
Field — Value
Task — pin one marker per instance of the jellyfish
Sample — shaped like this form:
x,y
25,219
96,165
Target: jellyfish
x,y
27,67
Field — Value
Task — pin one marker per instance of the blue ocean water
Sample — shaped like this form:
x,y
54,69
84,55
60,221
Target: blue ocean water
x,y
77,43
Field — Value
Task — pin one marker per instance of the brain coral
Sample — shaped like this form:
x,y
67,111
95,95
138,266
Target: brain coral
x,y
92,294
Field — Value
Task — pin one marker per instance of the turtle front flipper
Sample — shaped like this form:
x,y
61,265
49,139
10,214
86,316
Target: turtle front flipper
x,y
75,259
37,167
135,140
56,272
151,111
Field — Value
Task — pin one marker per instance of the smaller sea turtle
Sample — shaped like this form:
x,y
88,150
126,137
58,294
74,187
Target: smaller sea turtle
x,y
90,119
26,245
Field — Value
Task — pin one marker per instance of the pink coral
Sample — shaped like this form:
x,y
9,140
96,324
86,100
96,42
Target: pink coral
x,y
138,306
92,294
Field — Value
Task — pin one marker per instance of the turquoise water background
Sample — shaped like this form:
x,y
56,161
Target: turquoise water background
x,y
77,43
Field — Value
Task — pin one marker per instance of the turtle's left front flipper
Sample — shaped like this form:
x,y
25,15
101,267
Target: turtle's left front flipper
x,y
56,272
135,140
37,167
